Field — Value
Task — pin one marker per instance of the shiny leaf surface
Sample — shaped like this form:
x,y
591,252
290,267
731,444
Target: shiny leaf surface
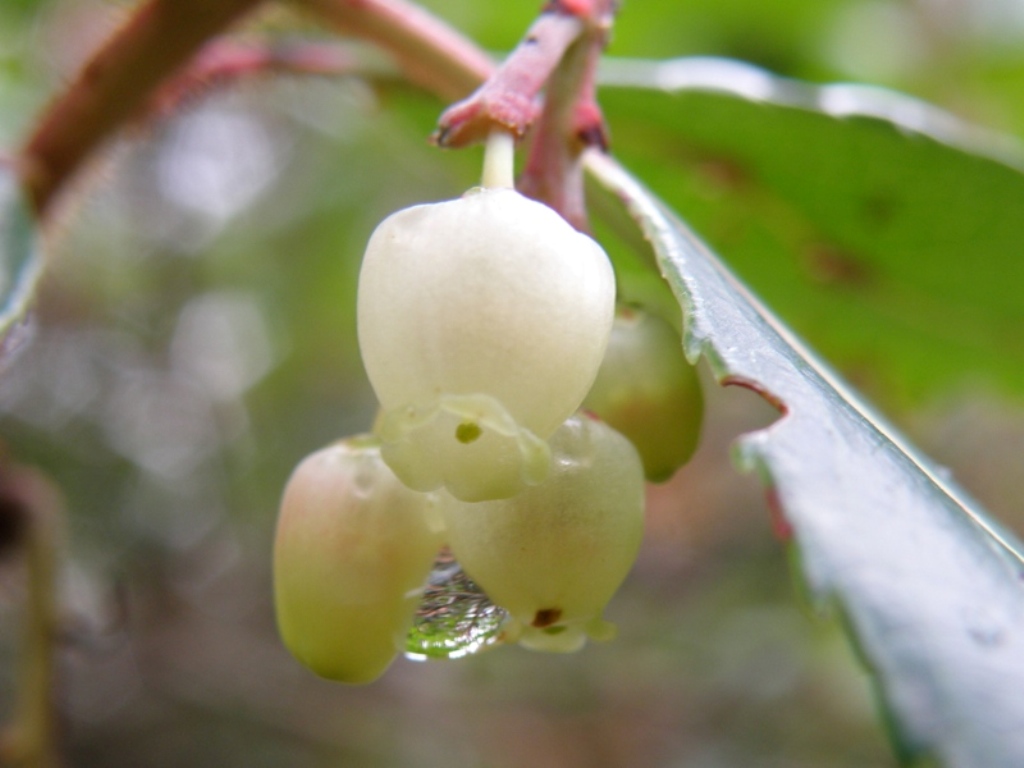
x,y
931,590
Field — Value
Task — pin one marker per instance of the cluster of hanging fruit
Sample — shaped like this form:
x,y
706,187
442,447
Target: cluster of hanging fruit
x,y
485,324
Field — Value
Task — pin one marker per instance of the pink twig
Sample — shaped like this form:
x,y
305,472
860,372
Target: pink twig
x,y
558,56
429,52
121,80
570,122
225,61
509,98
115,83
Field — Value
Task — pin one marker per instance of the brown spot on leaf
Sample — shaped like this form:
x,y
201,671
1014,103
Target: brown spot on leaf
x,y
832,265
722,175
879,208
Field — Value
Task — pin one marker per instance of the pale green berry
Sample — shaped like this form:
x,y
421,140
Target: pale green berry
x,y
554,554
646,390
482,323
353,549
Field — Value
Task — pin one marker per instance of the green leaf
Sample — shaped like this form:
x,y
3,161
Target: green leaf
x,y
20,251
932,591
884,230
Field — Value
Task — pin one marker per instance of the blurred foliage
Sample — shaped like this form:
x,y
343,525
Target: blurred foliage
x,y
195,338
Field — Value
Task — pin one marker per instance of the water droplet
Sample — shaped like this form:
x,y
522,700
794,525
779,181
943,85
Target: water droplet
x,y
454,618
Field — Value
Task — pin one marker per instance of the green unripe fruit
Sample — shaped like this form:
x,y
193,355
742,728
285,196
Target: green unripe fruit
x,y
647,390
554,554
482,323
351,554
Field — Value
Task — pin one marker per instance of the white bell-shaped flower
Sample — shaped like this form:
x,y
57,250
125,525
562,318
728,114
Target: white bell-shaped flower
x,y
482,323
353,549
554,554
647,390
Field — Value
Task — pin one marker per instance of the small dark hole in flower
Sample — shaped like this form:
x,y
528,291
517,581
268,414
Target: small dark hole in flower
x,y
545,617
467,432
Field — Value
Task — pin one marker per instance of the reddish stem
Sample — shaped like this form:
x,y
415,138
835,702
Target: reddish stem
x,y
570,123
553,172
429,52
119,81
158,39
224,61
589,127
508,100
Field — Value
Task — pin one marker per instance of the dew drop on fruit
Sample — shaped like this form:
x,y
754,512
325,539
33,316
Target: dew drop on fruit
x,y
454,618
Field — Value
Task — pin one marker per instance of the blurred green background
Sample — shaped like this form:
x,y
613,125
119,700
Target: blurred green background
x,y
195,338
